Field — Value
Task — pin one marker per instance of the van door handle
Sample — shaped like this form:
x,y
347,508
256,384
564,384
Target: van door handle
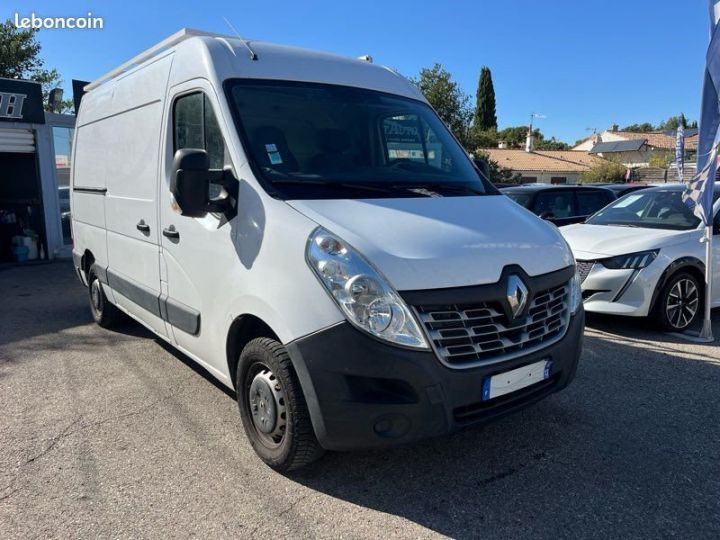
x,y
170,232
142,226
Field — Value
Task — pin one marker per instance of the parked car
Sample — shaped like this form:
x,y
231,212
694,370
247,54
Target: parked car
x,y
620,189
306,228
561,205
642,256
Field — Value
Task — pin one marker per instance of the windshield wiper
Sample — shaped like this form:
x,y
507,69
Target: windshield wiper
x,y
344,185
439,187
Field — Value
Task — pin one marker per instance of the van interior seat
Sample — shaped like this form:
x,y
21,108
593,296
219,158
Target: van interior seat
x,y
265,138
334,157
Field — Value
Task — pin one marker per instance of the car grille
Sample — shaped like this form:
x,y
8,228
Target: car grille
x,y
468,335
584,268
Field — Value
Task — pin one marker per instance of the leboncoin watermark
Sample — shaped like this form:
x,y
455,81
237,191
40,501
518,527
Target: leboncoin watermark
x,y
86,22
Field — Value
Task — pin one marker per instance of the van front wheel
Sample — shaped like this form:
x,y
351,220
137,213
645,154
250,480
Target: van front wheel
x,y
272,407
104,313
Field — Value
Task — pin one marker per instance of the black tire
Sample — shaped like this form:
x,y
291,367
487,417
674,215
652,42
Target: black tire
x,y
679,303
104,313
284,437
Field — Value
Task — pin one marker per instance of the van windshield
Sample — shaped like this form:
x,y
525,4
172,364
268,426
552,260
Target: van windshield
x,y
313,140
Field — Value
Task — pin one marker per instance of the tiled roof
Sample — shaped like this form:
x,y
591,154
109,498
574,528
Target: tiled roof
x,y
542,160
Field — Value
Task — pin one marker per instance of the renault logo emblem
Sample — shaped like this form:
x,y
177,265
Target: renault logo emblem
x,y
517,295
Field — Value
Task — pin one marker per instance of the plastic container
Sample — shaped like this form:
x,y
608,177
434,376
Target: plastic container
x,y
31,244
20,253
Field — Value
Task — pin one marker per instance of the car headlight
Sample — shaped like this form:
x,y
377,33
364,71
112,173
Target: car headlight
x,y
575,293
362,293
632,261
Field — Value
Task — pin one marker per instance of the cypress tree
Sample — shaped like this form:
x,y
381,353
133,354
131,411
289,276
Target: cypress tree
x,y
485,116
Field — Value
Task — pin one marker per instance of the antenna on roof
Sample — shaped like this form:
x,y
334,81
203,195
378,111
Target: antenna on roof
x,y
253,55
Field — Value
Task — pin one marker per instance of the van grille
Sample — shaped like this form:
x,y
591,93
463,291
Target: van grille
x,y
468,335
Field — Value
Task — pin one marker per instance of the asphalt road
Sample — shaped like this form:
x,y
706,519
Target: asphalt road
x,y
111,434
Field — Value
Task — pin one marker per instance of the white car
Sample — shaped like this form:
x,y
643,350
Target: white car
x,y
642,255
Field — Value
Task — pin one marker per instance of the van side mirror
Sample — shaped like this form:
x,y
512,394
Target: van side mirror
x,y
190,181
547,215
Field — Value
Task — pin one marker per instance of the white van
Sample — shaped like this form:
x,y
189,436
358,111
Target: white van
x,y
304,227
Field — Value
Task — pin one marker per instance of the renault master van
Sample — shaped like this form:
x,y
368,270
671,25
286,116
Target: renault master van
x,y
306,228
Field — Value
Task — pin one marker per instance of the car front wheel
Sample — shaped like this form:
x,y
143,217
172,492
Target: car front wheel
x,y
679,303
273,408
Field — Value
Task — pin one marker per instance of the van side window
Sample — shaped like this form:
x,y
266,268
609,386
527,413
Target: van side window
x,y
196,126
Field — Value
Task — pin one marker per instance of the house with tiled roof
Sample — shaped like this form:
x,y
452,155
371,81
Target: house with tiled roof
x,y
635,149
544,166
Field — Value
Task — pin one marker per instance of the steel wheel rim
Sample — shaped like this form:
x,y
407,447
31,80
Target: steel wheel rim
x,y
266,404
682,303
96,296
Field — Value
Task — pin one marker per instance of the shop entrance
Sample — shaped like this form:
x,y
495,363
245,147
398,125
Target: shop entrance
x,y
22,227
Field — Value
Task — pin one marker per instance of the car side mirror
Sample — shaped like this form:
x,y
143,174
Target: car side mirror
x,y
547,215
190,183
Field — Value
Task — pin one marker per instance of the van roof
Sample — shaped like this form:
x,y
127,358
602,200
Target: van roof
x,y
235,57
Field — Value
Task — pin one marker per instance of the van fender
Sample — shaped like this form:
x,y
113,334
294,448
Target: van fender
x,y
257,307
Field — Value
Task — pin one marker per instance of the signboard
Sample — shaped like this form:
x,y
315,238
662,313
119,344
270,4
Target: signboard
x,y
78,89
21,101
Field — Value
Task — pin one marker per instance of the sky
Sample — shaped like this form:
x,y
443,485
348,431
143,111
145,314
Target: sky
x,y
584,65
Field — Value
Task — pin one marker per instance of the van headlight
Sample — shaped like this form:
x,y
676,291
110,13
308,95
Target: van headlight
x,y
575,293
365,297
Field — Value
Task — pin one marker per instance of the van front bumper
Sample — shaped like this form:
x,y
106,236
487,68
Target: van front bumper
x,y
364,393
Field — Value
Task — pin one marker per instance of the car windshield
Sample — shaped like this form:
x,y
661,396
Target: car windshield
x,y
310,140
523,199
648,209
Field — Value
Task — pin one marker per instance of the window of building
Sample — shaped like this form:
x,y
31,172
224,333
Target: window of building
x,y
62,141
529,179
558,180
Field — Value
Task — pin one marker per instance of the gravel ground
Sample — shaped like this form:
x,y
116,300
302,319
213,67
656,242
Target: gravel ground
x,y
112,434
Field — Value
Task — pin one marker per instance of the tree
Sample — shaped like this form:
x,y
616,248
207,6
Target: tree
x,y
482,139
673,123
645,127
446,97
604,171
20,57
515,136
670,124
485,116
552,144
660,160
498,174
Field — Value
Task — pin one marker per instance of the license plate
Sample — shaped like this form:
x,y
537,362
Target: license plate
x,y
516,379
